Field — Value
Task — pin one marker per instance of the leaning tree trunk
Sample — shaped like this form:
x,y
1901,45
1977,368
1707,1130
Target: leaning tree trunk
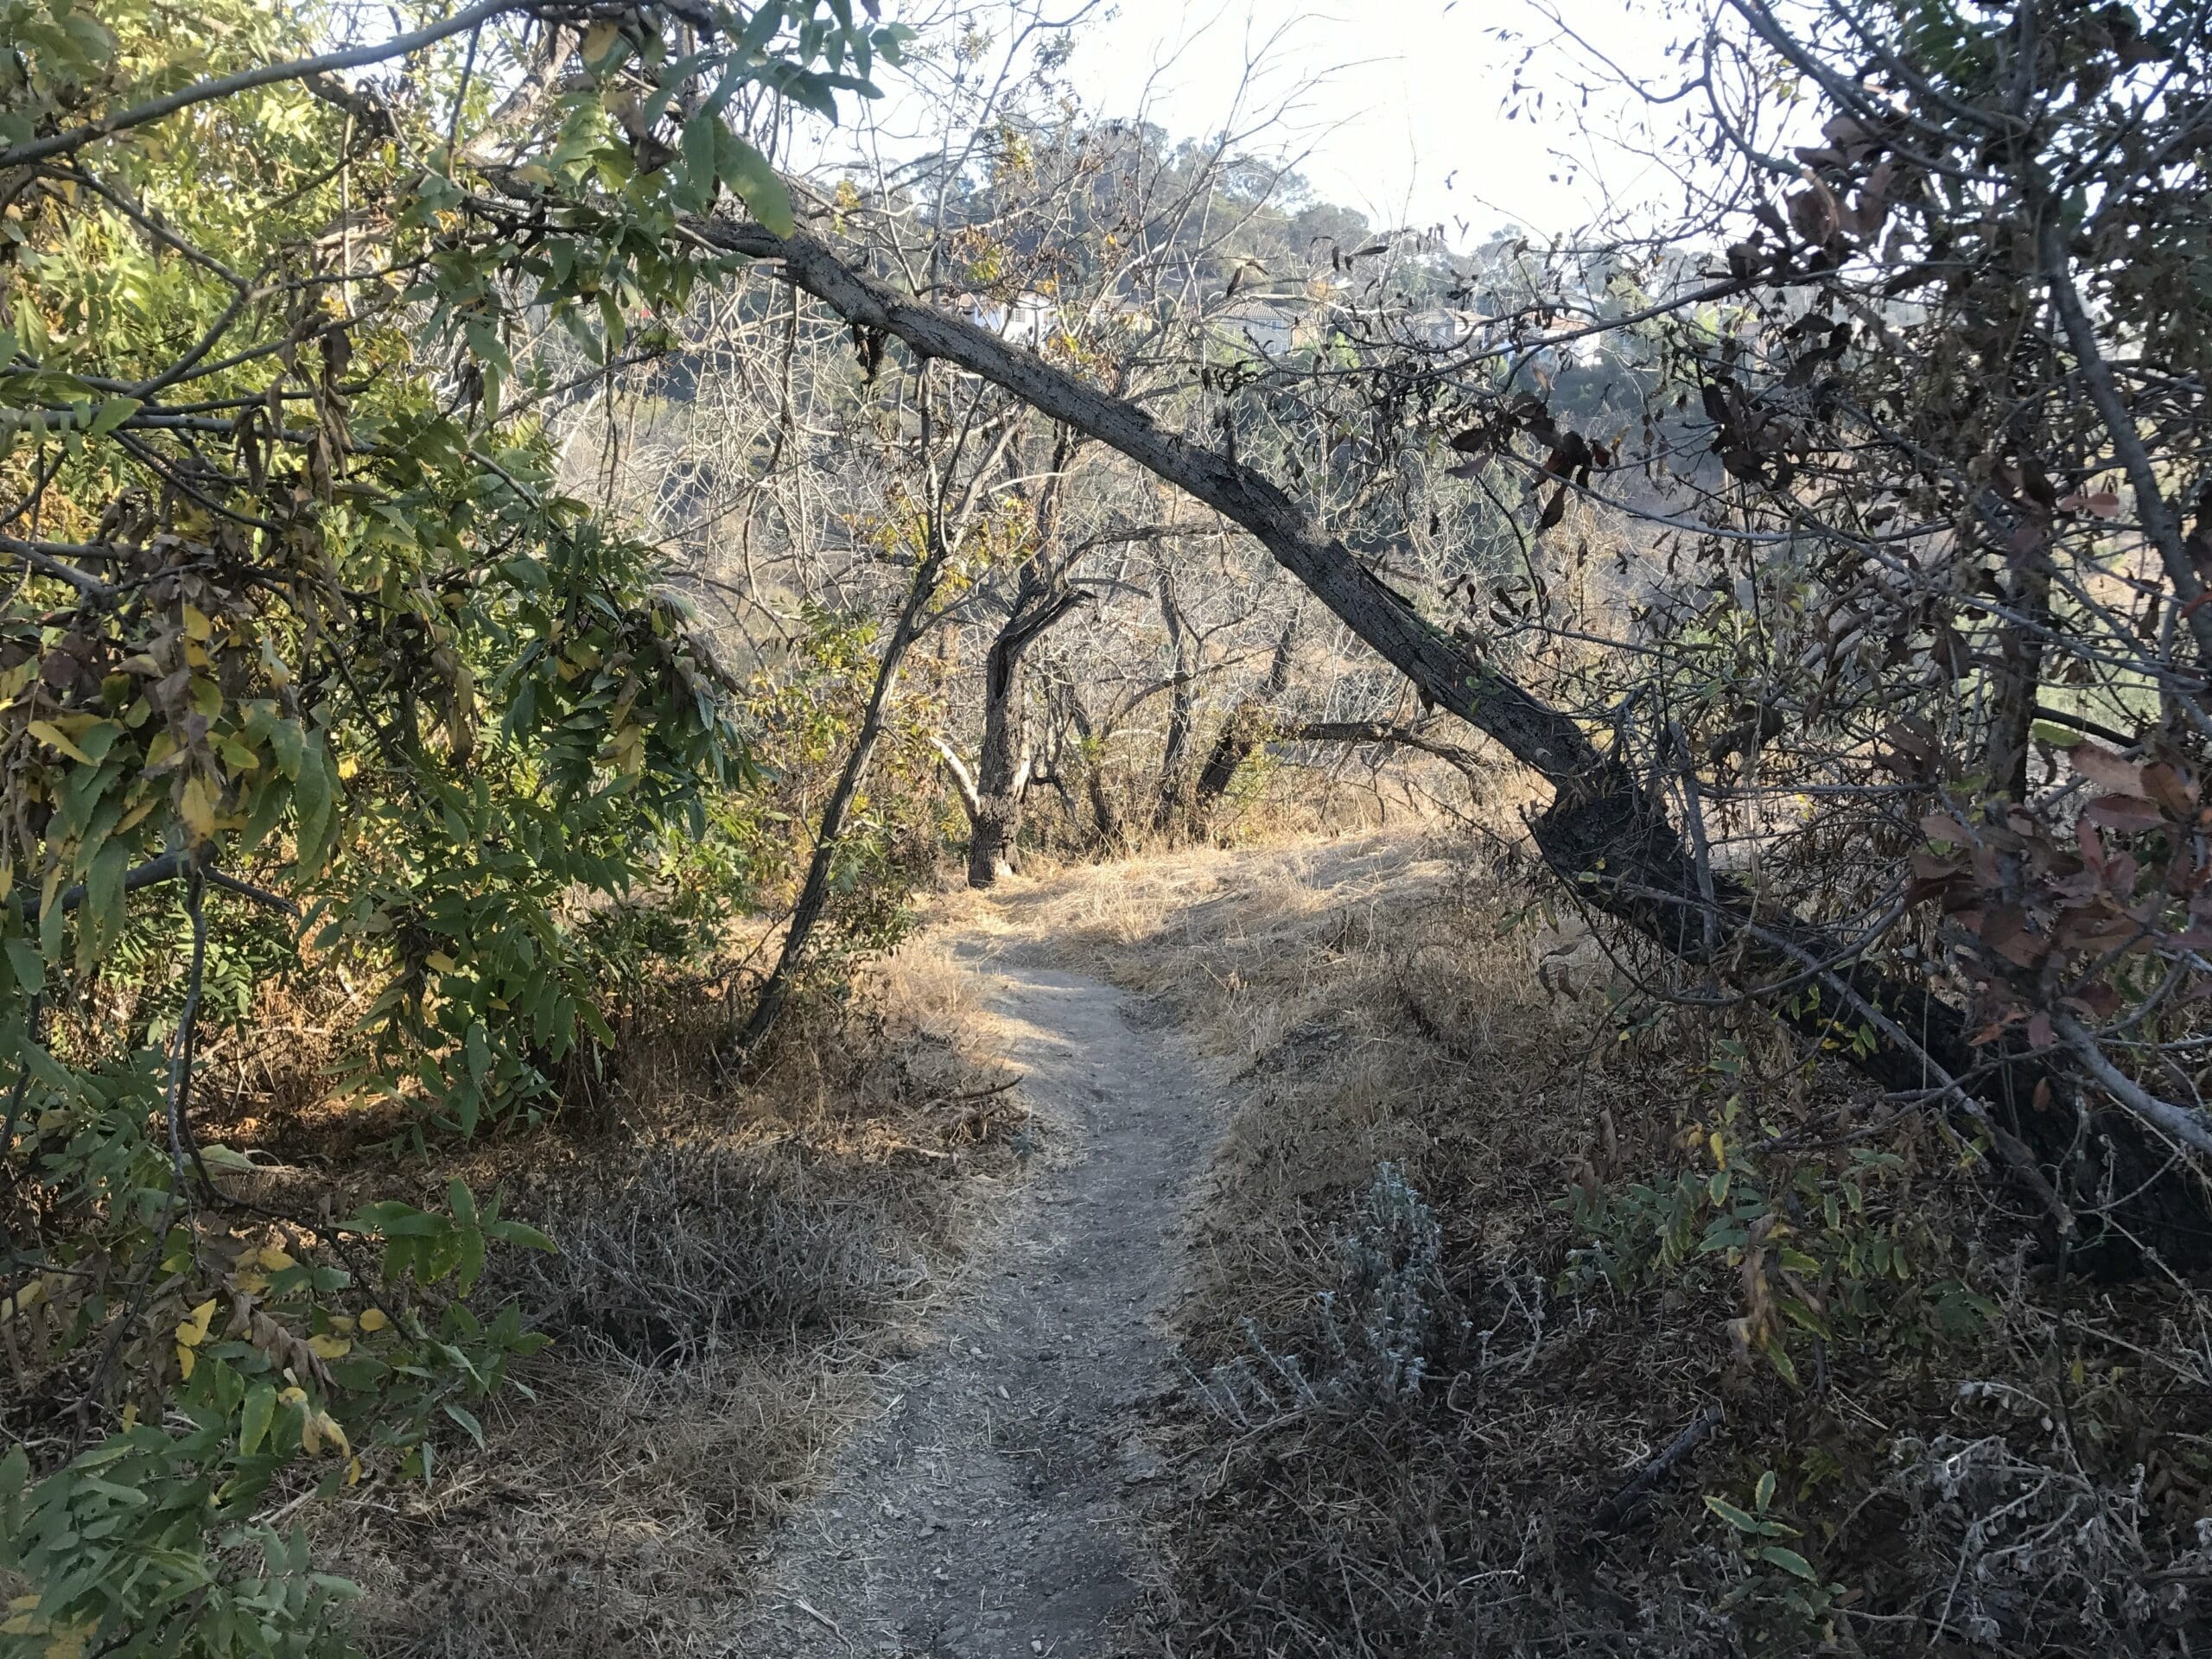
x,y
1241,733
1607,834
814,893
1175,750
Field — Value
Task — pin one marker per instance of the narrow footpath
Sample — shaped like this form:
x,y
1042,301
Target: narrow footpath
x,y
991,1511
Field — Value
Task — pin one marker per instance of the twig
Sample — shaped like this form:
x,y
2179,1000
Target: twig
x,y
1615,1510
167,867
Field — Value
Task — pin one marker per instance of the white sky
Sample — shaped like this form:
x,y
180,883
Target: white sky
x,y
1400,106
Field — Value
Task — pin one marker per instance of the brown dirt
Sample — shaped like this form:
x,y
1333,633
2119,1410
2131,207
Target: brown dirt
x,y
994,1507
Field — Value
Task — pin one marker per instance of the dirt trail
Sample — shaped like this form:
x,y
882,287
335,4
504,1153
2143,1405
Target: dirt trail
x,y
990,1509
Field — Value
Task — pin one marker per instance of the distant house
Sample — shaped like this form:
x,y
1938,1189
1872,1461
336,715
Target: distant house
x,y
1268,327
1027,320
1440,327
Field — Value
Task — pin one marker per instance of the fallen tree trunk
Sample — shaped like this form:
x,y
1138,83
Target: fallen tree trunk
x,y
1605,836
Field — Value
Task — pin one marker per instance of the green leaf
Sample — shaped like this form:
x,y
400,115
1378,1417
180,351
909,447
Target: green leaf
x,y
30,966
467,1419
288,743
254,1421
756,184
113,413
521,1233
1788,1559
1734,1516
101,924
314,796
697,189
1764,1496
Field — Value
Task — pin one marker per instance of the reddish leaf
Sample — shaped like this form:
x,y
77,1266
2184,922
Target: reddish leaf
x,y
2106,770
2005,932
2171,788
2097,999
2125,812
2092,844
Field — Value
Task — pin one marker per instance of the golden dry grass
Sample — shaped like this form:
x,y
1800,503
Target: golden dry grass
x,y
1405,1000
738,1259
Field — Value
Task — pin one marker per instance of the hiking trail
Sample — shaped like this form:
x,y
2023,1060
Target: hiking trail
x,y
992,1508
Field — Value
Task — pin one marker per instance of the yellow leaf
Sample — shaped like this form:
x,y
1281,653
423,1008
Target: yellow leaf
x,y
293,1396
194,1331
374,1320
196,625
131,1415
185,1361
310,1439
326,1345
54,737
274,1259
442,963
352,1471
196,805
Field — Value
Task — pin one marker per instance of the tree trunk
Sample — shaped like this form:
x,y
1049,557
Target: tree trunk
x,y
814,893
1105,817
1606,835
1002,768
1175,752
1241,732
2018,675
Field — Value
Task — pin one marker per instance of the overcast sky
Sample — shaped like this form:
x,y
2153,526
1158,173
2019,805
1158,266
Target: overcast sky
x,y
1400,105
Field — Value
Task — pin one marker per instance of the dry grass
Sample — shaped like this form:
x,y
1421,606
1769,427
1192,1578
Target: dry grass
x,y
737,1260
1419,1072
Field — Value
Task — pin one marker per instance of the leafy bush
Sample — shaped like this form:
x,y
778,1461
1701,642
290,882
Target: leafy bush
x,y
313,674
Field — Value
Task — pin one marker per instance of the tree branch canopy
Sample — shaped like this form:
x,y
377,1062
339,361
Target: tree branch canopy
x,y
1606,835
1539,736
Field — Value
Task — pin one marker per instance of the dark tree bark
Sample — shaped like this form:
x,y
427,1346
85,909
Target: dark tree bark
x,y
1105,815
1607,834
2017,676
1242,732
1002,768
1175,749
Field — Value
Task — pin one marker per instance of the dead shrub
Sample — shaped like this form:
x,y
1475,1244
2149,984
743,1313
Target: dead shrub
x,y
735,1254
1377,1003
697,1246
